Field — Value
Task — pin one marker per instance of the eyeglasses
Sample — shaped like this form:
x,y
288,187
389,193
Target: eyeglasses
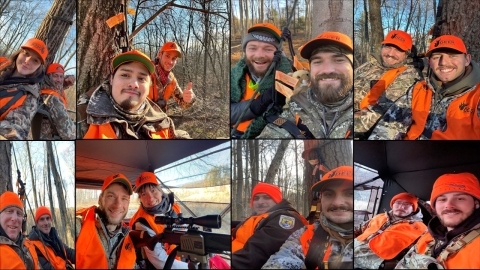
x,y
402,204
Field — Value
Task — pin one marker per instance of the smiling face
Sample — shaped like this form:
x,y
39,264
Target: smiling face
x,y
130,85
262,203
392,55
168,60
331,74
337,202
11,222
57,78
150,195
44,224
448,64
258,57
28,61
114,201
453,208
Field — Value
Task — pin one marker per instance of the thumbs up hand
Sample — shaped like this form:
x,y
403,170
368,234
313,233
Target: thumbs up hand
x,y
188,93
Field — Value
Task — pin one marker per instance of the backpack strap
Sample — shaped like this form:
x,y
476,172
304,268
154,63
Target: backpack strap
x,y
315,255
459,244
14,95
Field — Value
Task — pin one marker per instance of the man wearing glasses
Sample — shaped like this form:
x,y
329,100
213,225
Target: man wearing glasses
x,y
382,241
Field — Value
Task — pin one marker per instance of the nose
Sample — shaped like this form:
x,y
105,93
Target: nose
x,y
133,82
441,61
327,67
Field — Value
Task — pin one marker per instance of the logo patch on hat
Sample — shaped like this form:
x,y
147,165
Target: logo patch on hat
x,y
440,42
397,37
286,222
456,186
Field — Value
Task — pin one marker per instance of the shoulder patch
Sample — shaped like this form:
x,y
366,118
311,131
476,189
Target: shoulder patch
x,y
286,222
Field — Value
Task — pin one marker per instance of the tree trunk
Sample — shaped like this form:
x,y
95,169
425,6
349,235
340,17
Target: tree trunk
x,y
50,196
375,19
297,188
336,16
277,159
5,167
239,181
34,186
56,25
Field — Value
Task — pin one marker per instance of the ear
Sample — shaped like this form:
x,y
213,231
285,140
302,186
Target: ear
x,y
468,57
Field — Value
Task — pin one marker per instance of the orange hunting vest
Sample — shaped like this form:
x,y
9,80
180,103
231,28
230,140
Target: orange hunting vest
x,y
57,262
306,238
169,88
10,99
89,250
62,96
462,116
404,234
11,260
105,131
465,258
246,96
246,230
380,86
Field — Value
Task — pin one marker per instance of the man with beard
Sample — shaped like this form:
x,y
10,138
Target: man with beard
x,y
382,241
102,239
52,252
54,101
453,236
445,106
327,243
261,46
382,80
262,234
325,110
120,109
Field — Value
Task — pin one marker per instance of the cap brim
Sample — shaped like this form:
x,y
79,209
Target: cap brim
x,y
308,48
117,61
319,185
41,59
124,182
443,48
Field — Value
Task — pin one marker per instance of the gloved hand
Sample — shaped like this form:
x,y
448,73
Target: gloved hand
x,y
286,34
277,56
260,104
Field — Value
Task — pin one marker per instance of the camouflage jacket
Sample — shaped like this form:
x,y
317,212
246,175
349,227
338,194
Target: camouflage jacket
x,y
368,73
16,124
322,121
21,250
291,255
397,120
177,93
101,110
365,258
61,125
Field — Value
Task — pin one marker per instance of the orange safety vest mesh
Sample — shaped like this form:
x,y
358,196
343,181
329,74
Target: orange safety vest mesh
x,y
62,96
105,131
380,86
11,260
89,250
461,116
404,233
57,262
246,96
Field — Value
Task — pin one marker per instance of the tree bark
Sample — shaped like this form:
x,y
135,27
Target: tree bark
x,y
5,167
336,16
239,181
277,159
375,19
34,186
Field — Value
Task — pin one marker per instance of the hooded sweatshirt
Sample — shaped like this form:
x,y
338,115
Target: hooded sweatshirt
x,y
53,241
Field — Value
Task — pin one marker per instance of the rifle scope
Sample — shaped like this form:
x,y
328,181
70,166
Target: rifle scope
x,y
209,221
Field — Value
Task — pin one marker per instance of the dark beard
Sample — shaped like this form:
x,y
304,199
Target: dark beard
x,y
252,69
128,104
331,94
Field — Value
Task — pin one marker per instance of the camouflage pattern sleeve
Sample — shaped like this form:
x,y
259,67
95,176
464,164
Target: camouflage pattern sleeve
x,y
60,118
178,96
290,255
414,260
16,124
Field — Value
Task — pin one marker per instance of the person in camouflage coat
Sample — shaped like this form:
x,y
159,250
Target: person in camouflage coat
x,y
444,106
383,240
22,74
392,61
325,110
61,125
328,243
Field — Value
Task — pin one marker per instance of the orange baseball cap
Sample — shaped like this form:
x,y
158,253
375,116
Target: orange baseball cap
x,y
327,38
400,39
117,178
406,197
42,210
133,56
55,68
339,173
145,178
457,182
38,46
9,199
447,42
170,47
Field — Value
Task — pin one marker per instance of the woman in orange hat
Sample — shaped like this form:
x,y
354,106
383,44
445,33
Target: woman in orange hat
x,y
20,88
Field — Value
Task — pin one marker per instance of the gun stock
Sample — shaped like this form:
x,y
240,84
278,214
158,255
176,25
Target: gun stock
x,y
142,239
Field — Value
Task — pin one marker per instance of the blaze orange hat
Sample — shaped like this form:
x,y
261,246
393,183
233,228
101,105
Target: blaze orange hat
x,y
339,173
9,199
400,39
42,210
406,197
457,182
269,189
145,178
337,39
447,42
265,32
38,46
170,47
133,56
117,178
55,68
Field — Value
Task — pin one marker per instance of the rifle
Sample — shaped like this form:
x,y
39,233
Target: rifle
x,y
192,244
